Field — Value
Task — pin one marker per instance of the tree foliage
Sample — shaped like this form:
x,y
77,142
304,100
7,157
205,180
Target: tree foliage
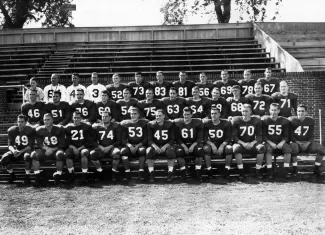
x,y
17,13
178,11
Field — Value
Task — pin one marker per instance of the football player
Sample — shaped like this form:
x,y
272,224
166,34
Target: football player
x,y
225,85
219,102
270,84
21,139
217,136
302,137
149,106
72,90
247,84
50,141
286,100
173,104
85,107
199,105
236,103
276,138
78,142
183,86
161,87
107,138
259,101
139,87
247,135
60,110
125,104
33,110
189,138
134,141
95,90
54,86
204,86
33,86
161,138
106,105
116,89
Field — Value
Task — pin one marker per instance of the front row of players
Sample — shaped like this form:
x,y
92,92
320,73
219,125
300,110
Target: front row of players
x,y
145,140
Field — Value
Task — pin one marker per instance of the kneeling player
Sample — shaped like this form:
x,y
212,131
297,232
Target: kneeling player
x,y
247,135
276,137
50,141
107,141
302,137
78,142
20,141
161,137
217,136
134,140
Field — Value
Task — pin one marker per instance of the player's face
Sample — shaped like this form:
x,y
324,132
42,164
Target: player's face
x,y
160,77
126,95
247,75
182,77
149,94
268,73
138,78
246,112
76,119
32,96
48,121
55,80
196,93
215,115
33,84
236,92
21,123
134,115
116,79
94,79
258,89
80,95
104,98
106,118
75,79
274,111
187,116
215,94
203,78
172,94
301,112
56,98
160,117
224,76
284,87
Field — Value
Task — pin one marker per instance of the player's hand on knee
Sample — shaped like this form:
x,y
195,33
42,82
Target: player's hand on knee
x,y
220,150
191,149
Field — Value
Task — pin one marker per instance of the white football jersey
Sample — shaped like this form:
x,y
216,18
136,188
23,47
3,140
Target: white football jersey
x,y
94,92
72,93
49,89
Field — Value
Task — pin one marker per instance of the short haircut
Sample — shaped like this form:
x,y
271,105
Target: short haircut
x,y
203,73
22,116
135,109
224,71
94,73
81,91
75,74
268,69
258,84
57,92
247,71
216,88
48,115
215,109
248,106
105,92
107,112
161,110
173,89
33,79
137,74
182,72
187,109
161,72
116,74
195,88
302,106
127,89
275,105
76,113
150,89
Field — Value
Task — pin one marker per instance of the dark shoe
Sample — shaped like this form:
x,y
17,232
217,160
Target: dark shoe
x,y
84,177
37,180
126,176
99,175
152,177
258,174
169,177
295,171
141,176
270,173
12,178
241,174
317,171
183,174
210,175
226,174
114,176
57,178
71,177
199,175
286,173
27,180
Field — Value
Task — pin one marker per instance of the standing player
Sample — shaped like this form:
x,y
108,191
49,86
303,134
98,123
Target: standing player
x,y
134,141
21,139
54,86
161,138
247,84
189,137
72,90
219,102
225,85
217,136
199,105
106,105
85,107
286,100
116,89
302,137
94,91
139,87
270,85
125,104
33,110
204,86
149,106
247,135
236,103
161,87
78,141
183,86
60,110
259,101
173,104
108,139
33,86
50,141
276,138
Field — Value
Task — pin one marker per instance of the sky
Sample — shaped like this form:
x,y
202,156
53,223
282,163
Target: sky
x,y
94,13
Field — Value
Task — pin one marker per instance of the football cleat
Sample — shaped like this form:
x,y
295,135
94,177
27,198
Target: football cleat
x,y
241,174
99,175
269,173
71,177
199,175
286,173
12,178
152,177
84,177
26,180
295,171
37,180
141,176
317,171
210,175
183,174
114,176
57,178
226,174
258,174
169,176
126,176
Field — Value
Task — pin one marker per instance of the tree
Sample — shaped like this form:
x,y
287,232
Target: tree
x,y
17,13
177,11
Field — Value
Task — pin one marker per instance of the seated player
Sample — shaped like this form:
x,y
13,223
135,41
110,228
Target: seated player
x,y
50,141
270,85
204,86
173,104
236,103
183,86
72,90
189,137
247,135
259,101
134,141
94,91
108,139
60,110
161,87
276,138
54,86
149,106
161,138
106,105
125,105
225,85
139,87
33,86
78,142
116,89
85,107
33,110
302,137
286,100
247,84
21,139
199,105
217,136
219,102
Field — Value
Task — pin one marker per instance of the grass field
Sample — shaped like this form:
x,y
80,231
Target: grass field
x,y
218,207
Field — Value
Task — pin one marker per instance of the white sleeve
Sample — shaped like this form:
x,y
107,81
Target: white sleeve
x,y
41,93
46,98
63,93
